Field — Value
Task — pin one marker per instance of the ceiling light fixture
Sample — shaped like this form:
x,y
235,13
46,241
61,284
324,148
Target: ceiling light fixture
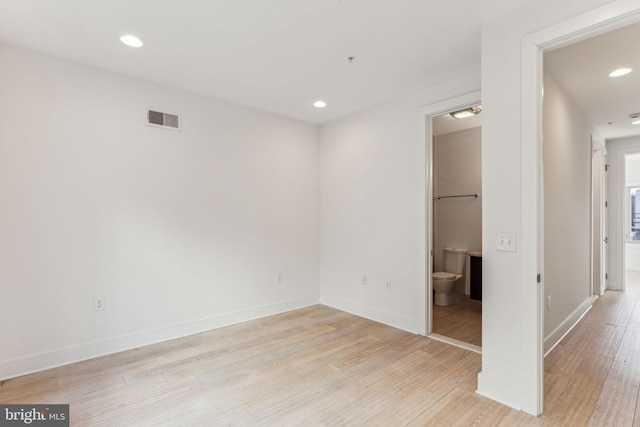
x,y
131,40
637,122
319,104
620,72
467,112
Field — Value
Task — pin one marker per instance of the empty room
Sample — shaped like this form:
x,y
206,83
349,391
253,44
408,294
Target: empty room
x,y
220,213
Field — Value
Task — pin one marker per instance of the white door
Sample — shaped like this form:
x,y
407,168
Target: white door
x,y
598,217
604,205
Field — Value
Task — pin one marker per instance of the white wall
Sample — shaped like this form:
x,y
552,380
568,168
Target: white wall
x,y
178,231
510,356
567,211
373,208
632,171
457,170
632,256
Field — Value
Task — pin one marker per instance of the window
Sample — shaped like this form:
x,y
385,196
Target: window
x,y
634,211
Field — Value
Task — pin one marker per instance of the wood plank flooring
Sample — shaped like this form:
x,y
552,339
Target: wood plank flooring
x,y
461,321
322,367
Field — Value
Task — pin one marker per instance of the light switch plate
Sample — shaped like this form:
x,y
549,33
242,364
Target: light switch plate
x,y
506,242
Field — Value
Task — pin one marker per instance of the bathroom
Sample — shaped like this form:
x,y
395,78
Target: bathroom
x,y
457,224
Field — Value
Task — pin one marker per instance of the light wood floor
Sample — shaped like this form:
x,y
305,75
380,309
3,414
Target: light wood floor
x,y
461,321
320,366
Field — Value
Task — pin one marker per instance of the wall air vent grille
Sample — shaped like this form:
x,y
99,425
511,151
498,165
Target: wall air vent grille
x,y
163,120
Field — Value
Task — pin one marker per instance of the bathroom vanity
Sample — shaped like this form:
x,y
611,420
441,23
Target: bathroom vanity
x,y
475,275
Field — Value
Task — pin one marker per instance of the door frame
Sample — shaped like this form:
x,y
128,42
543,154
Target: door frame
x,y
598,217
429,112
617,220
598,21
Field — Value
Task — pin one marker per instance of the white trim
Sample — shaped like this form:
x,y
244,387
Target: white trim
x,y
598,214
532,219
597,21
428,112
590,24
457,343
568,324
371,313
498,390
77,353
597,143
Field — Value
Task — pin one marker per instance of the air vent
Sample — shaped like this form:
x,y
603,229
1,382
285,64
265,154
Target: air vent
x,y
163,120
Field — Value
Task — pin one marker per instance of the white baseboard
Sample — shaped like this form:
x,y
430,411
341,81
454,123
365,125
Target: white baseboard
x,y
614,286
558,333
77,353
496,389
371,313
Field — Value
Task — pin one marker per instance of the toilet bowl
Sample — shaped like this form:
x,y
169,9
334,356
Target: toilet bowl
x,y
443,286
444,281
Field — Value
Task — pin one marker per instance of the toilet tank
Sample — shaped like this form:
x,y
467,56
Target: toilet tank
x,y
454,260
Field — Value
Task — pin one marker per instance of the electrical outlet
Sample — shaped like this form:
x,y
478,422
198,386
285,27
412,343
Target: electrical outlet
x,y
364,280
279,278
387,286
98,304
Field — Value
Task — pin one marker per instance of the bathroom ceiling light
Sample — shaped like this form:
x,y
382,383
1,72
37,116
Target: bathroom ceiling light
x,y
319,104
467,112
637,122
620,72
131,41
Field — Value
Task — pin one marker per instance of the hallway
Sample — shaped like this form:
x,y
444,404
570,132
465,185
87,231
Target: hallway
x,y
592,376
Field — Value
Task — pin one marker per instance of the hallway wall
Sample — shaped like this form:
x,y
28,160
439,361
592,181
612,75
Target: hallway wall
x,y
567,211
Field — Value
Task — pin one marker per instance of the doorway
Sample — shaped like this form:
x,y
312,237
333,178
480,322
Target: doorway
x,y
532,49
457,226
436,180
631,216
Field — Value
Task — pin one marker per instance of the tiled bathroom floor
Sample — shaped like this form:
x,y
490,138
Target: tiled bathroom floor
x,y
461,321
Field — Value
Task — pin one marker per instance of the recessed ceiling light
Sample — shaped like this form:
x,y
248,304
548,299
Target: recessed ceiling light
x,y
319,104
620,72
637,122
131,41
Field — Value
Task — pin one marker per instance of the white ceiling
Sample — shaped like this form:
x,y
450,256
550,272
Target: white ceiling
x,y
583,68
276,55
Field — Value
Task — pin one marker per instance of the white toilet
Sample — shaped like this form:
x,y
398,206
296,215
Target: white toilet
x,y
444,281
